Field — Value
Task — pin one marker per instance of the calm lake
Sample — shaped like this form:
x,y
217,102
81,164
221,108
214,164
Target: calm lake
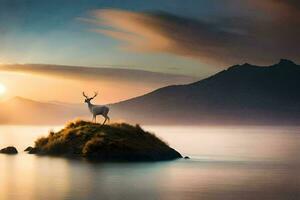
x,y
227,163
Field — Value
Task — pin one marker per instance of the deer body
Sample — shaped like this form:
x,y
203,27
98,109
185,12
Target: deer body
x,y
96,109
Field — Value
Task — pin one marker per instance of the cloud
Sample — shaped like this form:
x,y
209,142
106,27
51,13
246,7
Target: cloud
x,y
99,74
291,3
226,40
66,82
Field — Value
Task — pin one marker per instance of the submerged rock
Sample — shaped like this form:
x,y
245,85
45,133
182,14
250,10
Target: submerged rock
x,y
9,150
116,142
31,150
28,149
186,157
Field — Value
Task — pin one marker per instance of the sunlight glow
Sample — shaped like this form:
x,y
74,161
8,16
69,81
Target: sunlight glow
x,y
2,89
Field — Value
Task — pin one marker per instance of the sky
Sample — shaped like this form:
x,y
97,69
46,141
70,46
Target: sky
x,y
55,32
195,38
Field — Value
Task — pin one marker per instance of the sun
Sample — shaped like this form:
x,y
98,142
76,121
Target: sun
x,y
2,89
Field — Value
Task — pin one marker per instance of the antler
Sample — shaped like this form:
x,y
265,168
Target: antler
x,y
96,93
84,95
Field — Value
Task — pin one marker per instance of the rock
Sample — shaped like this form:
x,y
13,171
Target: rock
x,y
28,149
115,142
33,150
9,150
186,157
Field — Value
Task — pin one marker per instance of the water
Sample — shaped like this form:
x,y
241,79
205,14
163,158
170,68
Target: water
x,y
227,163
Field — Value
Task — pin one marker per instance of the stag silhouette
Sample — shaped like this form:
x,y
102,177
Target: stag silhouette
x,y
96,109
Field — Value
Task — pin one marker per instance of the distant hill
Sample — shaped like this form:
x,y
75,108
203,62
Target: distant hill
x,y
20,110
242,94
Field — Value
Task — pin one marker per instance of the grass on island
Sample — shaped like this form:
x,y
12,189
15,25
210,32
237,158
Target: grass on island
x,y
107,142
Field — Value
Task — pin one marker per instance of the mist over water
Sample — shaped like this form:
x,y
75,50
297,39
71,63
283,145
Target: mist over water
x,y
226,163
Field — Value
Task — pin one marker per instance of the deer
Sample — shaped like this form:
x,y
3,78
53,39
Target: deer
x,y
96,109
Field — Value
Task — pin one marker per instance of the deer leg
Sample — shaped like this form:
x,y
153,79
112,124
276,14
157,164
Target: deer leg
x,y
104,120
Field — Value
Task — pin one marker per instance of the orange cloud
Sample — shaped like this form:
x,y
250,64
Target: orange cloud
x,y
130,27
67,82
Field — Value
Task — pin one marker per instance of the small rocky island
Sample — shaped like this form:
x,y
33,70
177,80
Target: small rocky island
x,y
114,142
9,150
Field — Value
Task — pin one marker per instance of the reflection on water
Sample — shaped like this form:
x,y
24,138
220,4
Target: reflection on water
x,y
227,163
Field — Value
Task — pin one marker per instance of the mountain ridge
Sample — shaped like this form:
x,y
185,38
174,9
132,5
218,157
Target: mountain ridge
x,y
258,91
240,94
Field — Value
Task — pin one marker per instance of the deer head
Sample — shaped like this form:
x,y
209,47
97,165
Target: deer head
x,y
88,99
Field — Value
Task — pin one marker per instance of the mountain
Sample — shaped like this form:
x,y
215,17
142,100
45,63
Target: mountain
x,y
242,94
